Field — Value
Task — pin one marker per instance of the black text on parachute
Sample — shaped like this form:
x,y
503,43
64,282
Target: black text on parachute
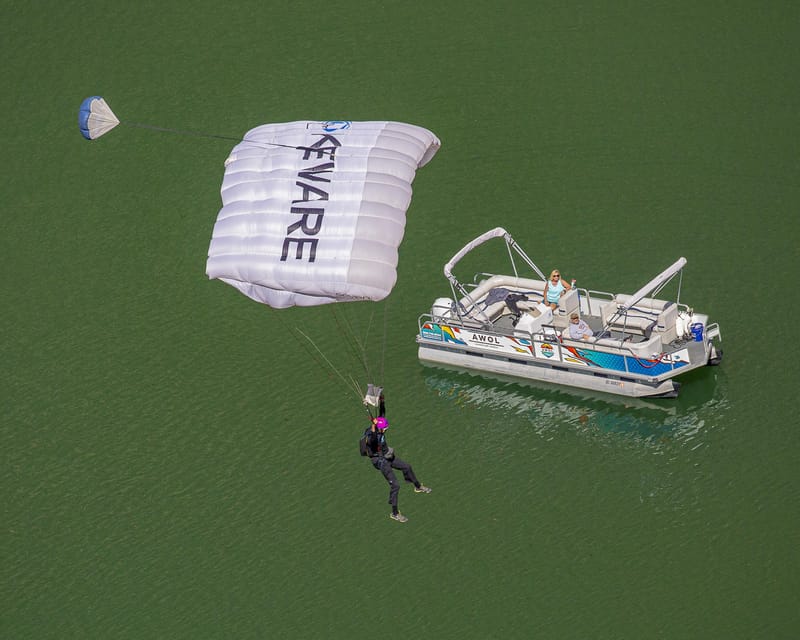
x,y
314,212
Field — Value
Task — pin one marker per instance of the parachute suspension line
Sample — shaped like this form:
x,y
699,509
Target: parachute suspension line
x,y
364,344
350,340
351,384
291,332
356,348
320,361
383,341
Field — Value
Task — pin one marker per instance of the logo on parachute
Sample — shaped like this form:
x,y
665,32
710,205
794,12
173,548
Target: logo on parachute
x,y
335,125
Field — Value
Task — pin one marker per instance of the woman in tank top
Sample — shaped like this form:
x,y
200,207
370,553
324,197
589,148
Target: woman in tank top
x,y
554,289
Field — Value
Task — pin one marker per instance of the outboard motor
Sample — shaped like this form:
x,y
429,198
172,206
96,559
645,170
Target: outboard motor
x,y
442,309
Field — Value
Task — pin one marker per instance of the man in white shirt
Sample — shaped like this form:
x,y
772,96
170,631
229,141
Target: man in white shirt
x,y
578,329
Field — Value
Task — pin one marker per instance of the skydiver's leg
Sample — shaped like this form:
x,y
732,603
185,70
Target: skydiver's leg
x,y
394,486
408,472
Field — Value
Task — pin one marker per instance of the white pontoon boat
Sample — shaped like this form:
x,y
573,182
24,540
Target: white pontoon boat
x,y
498,325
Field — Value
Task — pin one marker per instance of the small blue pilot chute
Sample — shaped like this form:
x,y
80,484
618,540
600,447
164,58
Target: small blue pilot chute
x,y
95,118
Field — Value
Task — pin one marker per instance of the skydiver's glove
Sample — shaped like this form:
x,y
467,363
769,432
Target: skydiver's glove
x,y
389,455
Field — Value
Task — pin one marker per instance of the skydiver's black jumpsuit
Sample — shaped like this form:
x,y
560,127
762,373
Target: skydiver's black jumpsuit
x,y
377,447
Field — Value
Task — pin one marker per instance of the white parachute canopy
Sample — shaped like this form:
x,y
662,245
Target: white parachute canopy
x,y
314,212
95,118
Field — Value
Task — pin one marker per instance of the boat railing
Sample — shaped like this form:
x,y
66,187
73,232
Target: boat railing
x,y
713,331
592,303
479,277
463,321
551,335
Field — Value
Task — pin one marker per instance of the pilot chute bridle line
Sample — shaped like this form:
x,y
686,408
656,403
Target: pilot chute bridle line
x,y
95,119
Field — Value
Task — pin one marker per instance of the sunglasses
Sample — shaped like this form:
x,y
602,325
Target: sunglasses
x,y
555,275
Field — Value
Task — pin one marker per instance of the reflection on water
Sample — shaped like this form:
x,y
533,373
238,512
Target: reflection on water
x,y
653,422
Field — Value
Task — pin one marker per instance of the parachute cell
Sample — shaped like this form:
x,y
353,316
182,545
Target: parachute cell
x,y
95,118
314,212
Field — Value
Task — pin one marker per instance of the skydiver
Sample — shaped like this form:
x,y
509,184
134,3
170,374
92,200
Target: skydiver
x,y
384,460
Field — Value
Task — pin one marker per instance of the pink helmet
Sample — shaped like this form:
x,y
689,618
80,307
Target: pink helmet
x,y
381,423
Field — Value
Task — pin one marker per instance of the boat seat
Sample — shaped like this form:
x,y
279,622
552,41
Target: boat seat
x,y
647,348
605,342
641,319
569,302
633,323
528,305
532,288
667,323
494,310
500,307
488,314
